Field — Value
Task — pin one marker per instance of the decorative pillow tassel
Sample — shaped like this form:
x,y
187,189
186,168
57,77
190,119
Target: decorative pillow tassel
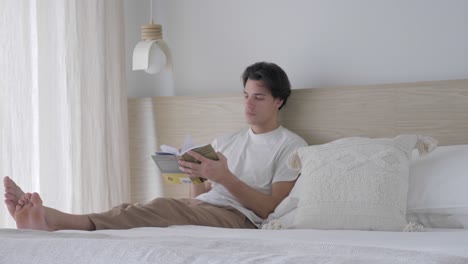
x,y
273,224
426,144
294,162
413,227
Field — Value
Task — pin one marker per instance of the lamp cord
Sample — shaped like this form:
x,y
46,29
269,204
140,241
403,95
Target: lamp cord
x,y
151,12
151,31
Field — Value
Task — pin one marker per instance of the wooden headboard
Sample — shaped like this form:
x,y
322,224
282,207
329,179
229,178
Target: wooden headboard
x,y
438,109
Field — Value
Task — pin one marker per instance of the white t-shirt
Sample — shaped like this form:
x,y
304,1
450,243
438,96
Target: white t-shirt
x,y
258,160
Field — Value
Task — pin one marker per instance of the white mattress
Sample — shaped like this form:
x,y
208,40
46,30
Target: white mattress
x,y
195,244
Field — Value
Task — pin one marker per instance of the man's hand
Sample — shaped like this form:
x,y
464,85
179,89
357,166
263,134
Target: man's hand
x,y
214,170
218,171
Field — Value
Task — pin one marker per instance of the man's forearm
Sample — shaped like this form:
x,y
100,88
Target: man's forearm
x,y
198,188
261,204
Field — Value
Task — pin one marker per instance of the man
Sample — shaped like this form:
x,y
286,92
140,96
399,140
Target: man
x,y
244,186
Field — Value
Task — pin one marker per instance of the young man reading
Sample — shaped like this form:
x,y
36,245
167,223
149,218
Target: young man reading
x,y
244,186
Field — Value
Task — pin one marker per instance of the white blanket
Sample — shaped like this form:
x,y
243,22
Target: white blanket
x,y
190,244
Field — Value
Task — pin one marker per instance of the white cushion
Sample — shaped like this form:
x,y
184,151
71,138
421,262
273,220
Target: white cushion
x,y
438,195
286,210
355,183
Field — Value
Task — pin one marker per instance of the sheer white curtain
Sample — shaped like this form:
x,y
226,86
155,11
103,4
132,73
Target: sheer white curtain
x,y
63,102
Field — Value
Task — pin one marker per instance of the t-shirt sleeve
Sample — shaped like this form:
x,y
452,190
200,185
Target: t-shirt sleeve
x,y
282,171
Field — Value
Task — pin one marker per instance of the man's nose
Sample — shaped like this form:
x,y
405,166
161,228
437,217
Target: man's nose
x,y
250,102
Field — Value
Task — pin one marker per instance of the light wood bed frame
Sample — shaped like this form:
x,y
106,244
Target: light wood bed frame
x,y
438,109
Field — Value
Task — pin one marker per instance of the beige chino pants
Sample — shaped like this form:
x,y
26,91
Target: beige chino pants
x,y
163,212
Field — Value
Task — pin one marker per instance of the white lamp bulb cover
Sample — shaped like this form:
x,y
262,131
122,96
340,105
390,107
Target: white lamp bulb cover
x,y
149,56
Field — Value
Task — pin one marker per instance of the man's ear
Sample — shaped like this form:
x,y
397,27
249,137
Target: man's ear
x,y
278,102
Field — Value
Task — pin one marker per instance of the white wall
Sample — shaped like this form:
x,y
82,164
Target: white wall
x,y
319,43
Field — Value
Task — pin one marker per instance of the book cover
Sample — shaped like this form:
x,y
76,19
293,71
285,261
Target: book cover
x,y
166,160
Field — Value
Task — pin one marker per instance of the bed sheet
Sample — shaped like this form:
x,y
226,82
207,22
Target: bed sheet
x,y
195,244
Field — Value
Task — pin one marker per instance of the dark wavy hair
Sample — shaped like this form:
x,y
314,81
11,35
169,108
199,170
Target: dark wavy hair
x,y
272,76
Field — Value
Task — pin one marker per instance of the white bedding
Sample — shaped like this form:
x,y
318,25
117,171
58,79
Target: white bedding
x,y
194,244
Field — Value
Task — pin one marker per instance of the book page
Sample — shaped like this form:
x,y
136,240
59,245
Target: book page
x,y
188,143
167,163
168,149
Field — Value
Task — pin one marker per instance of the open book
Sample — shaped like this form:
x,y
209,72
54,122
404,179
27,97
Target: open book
x,y
167,158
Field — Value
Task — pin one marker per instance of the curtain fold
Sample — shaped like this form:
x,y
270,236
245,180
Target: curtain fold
x,y
64,103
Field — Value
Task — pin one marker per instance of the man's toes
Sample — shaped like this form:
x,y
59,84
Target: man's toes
x,y
10,196
10,189
7,182
9,203
21,201
28,196
24,199
36,199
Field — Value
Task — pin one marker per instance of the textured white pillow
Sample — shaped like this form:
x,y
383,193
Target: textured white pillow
x,y
356,183
284,213
438,195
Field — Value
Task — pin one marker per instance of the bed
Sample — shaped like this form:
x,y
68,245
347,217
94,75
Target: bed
x,y
190,244
436,199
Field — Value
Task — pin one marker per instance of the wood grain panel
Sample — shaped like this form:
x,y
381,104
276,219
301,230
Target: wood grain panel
x,y
438,109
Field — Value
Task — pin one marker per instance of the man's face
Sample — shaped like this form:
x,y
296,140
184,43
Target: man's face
x,y
261,109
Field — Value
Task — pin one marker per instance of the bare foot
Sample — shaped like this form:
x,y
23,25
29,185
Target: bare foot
x,y
12,194
30,213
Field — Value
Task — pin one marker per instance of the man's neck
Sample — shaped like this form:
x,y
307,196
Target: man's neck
x,y
264,129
